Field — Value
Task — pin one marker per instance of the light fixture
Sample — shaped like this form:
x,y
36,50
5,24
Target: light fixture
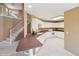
x,y
30,6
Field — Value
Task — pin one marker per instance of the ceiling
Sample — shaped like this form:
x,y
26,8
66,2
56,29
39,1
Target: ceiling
x,y
49,10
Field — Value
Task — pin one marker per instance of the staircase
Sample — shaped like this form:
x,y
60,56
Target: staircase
x,y
17,27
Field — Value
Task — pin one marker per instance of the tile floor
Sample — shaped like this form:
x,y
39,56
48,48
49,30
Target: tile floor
x,y
52,47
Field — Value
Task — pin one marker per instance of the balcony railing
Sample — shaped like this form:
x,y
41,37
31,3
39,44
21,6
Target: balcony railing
x,y
4,11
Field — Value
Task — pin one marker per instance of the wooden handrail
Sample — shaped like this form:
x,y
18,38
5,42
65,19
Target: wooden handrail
x,y
15,25
45,20
46,29
19,23
52,28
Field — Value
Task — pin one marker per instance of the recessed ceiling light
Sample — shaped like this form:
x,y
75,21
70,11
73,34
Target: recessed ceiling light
x,y
30,6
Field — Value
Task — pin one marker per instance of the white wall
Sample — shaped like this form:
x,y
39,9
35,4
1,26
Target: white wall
x,y
36,23
48,25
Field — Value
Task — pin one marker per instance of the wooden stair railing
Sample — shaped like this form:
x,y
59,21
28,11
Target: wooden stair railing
x,y
18,27
17,24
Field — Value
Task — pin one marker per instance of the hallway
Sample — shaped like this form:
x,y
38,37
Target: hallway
x,y
53,46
